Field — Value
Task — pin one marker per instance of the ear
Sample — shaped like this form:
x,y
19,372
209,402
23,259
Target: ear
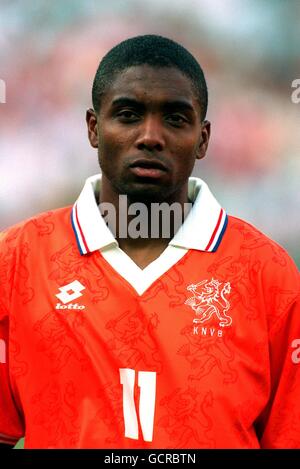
x,y
91,120
203,144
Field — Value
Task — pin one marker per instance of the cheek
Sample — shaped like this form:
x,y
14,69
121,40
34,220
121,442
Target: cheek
x,y
185,153
186,144
112,142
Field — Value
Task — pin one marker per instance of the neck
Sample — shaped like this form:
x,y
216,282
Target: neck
x,y
139,224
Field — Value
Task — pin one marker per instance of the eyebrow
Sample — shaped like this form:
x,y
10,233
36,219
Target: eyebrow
x,y
124,101
177,104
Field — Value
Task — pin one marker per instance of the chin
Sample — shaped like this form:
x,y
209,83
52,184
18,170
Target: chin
x,y
144,192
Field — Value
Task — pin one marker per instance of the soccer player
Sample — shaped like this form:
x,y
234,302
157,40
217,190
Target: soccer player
x,y
119,333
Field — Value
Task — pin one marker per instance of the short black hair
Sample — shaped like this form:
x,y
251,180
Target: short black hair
x,y
153,50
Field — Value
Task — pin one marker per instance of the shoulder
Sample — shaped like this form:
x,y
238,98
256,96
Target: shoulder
x,y
267,266
261,254
262,257
253,243
26,248
39,228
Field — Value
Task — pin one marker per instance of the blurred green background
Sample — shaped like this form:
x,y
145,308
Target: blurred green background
x,y
20,444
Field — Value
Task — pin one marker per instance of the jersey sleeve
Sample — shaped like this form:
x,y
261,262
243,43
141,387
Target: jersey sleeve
x,y
279,425
11,424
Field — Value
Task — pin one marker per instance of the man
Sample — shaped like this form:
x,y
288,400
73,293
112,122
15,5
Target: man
x,y
185,339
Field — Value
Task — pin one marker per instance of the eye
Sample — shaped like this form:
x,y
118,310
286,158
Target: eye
x,y
177,120
127,115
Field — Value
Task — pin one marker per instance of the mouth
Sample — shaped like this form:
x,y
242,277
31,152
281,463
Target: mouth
x,y
148,168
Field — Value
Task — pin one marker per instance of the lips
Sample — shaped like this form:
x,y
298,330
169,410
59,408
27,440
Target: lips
x,y
148,168
148,164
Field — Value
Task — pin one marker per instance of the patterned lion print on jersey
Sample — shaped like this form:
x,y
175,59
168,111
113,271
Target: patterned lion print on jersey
x,y
280,300
110,411
25,290
187,419
247,409
58,344
245,414
173,287
23,286
206,354
175,276
242,275
286,421
43,224
70,266
133,340
288,434
55,410
18,367
209,300
254,240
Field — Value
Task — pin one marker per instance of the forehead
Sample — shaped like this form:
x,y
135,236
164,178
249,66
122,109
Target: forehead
x,y
147,83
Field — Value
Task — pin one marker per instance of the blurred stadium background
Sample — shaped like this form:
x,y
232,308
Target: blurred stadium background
x,y
249,49
250,52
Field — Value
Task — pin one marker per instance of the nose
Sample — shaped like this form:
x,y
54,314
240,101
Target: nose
x,y
151,135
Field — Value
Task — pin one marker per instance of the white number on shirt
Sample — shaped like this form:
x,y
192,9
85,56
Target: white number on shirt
x,y
147,385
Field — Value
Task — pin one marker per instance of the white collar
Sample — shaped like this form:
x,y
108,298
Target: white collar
x,y
202,230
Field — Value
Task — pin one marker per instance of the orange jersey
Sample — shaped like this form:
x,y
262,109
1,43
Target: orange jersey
x,y
200,349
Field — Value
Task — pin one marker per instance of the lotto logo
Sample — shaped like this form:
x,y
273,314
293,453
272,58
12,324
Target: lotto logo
x,y
70,292
70,306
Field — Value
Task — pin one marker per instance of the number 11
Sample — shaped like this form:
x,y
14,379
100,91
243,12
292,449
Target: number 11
x,y
147,385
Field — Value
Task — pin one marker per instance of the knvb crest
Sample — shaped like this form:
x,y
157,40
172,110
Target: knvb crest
x,y
209,300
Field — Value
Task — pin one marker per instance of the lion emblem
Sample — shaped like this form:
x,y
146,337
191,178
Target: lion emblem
x,y
209,299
